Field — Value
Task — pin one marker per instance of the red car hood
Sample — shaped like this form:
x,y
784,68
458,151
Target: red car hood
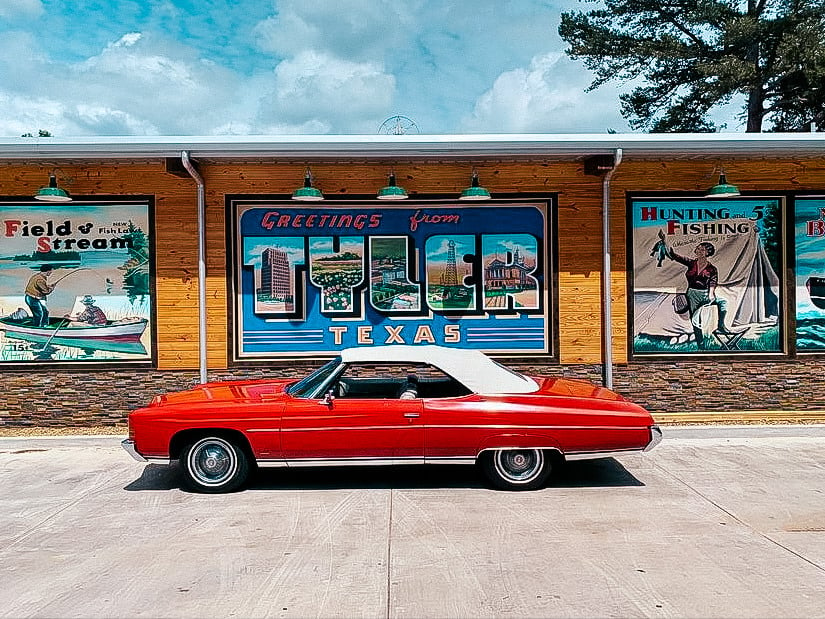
x,y
234,391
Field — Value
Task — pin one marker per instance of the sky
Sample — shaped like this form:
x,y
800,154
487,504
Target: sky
x,y
267,67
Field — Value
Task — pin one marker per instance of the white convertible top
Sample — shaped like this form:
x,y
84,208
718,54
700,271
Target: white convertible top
x,y
471,368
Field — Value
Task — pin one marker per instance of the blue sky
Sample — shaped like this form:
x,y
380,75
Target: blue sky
x,y
219,67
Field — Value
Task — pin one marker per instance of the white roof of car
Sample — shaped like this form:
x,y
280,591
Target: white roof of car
x,y
472,368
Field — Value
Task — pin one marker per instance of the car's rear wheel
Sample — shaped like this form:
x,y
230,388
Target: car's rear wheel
x,y
214,464
516,469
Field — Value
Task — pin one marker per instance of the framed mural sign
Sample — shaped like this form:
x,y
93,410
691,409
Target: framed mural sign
x,y
704,275
75,282
810,273
311,281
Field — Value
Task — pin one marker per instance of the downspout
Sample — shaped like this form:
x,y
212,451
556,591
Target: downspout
x,y
607,302
184,157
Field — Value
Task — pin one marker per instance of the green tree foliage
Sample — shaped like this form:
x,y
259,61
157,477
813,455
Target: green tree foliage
x,y
41,133
691,55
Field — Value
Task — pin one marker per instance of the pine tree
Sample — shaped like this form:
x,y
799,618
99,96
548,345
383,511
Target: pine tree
x,y
693,55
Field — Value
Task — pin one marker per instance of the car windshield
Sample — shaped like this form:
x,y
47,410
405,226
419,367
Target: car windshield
x,y
309,386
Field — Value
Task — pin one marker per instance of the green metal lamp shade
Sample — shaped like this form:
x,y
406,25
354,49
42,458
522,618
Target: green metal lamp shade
x,y
474,192
307,193
392,191
52,193
723,189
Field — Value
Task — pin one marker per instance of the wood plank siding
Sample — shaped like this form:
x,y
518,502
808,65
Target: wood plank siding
x,y
579,234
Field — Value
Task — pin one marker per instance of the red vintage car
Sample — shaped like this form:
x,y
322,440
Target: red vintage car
x,y
390,405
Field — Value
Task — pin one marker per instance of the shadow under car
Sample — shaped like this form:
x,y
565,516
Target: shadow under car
x,y
595,473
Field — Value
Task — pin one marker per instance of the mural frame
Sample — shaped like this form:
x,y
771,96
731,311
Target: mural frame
x,y
795,273
547,310
139,278
781,263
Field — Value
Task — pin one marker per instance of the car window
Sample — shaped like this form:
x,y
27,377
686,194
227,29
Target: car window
x,y
396,381
311,386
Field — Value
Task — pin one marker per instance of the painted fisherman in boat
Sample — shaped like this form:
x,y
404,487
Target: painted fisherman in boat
x,y
91,315
37,289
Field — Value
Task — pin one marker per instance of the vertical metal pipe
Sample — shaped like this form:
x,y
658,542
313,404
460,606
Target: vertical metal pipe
x,y
607,301
184,157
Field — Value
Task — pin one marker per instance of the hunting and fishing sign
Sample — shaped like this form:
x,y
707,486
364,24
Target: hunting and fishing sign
x,y
311,281
75,282
705,275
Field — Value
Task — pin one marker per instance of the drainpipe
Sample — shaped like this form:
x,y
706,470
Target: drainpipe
x,y
607,303
184,157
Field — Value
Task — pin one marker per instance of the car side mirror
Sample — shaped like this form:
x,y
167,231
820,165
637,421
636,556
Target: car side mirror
x,y
329,398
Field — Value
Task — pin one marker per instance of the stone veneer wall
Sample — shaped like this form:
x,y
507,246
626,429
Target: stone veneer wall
x,y
104,397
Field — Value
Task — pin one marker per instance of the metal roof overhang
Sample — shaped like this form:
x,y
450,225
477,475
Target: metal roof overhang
x,y
342,147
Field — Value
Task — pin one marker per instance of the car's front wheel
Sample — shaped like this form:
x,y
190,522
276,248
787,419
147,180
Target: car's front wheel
x,y
214,464
516,469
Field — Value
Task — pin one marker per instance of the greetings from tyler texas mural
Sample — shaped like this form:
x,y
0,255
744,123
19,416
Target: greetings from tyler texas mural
x,y
75,283
310,281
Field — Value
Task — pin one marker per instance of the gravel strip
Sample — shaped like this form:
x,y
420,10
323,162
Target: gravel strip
x,y
85,431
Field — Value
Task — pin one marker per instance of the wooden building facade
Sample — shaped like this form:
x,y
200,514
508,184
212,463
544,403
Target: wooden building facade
x,y
572,177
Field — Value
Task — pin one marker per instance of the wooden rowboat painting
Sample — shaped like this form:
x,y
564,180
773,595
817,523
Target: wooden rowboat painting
x,y
89,345
127,330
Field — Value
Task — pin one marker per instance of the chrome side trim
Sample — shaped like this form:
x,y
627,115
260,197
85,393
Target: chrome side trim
x,y
443,427
518,447
453,460
340,428
588,455
307,462
655,437
412,460
272,464
129,446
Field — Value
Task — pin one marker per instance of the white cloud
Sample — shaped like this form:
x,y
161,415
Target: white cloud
x,y
321,91
24,114
137,85
20,9
547,97
340,67
354,29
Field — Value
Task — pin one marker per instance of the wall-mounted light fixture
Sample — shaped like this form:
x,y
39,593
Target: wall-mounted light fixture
x,y
52,193
307,193
392,191
723,189
474,191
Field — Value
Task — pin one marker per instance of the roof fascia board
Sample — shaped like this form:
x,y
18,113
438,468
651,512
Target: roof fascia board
x,y
413,146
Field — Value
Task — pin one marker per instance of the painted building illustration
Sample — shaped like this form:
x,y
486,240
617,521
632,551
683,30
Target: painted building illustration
x,y
501,275
275,275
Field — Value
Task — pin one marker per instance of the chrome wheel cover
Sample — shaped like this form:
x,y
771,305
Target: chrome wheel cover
x,y
518,466
212,461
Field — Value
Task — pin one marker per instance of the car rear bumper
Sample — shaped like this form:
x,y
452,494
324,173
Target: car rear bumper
x,y
129,446
655,437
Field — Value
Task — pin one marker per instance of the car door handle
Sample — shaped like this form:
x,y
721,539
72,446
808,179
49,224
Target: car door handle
x,y
411,415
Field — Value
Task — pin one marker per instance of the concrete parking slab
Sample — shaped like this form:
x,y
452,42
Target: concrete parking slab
x,y
716,522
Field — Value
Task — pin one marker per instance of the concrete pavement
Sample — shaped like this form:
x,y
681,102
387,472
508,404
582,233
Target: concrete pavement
x,y
715,522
